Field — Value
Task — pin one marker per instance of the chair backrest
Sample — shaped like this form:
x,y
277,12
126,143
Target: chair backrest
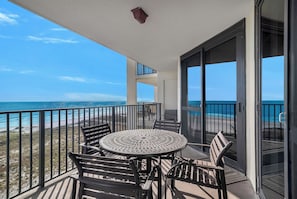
x,y
167,125
106,173
218,148
92,135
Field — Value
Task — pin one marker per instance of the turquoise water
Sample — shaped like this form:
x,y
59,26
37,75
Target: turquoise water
x,y
25,106
21,106
226,109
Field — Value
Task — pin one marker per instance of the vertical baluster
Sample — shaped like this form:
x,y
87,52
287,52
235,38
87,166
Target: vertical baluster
x,y
31,149
66,139
73,140
7,155
41,148
20,152
51,141
143,116
113,119
59,142
78,119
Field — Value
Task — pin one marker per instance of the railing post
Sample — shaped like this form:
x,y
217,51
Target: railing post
x,y
113,119
41,148
143,116
159,110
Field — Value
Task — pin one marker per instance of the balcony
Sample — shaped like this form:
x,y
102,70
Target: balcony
x,y
34,146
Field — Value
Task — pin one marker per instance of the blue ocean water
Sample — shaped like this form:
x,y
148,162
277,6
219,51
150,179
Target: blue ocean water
x,y
21,106
227,109
25,106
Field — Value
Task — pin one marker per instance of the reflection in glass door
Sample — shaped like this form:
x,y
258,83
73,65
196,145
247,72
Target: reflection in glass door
x,y
271,133
221,103
191,111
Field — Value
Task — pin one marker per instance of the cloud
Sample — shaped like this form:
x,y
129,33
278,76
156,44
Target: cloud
x,y
93,97
26,72
8,18
73,79
51,40
114,83
58,29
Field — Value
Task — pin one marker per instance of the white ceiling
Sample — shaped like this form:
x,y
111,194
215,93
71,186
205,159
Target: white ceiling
x,y
172,28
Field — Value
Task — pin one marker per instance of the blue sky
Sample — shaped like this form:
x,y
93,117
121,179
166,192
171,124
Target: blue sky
x,y
221,80
41,61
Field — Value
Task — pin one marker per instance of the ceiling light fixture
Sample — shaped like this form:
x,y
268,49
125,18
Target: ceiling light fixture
x,y
139,14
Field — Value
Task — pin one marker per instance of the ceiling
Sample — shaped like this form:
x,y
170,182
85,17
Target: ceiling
x,y
172,28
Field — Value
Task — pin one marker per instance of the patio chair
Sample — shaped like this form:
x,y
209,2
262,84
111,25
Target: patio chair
x,y
168,125
92,135
202,172
106,177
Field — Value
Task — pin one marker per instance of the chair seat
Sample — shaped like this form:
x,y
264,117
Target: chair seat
x,y
202,172
197,172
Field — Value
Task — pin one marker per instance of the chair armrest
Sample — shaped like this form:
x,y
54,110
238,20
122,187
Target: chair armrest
x,y
210,167
151,178
91,147
83,145
198,144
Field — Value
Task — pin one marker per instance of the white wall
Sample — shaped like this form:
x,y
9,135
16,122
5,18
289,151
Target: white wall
x,y
250,99
167,89
131,82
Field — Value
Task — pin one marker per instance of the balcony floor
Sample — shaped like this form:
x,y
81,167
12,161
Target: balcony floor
x,y
237,184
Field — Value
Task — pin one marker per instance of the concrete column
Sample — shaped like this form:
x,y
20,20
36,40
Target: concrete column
x,y
131,82
131,93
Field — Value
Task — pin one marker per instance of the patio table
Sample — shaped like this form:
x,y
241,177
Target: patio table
x,y
144,143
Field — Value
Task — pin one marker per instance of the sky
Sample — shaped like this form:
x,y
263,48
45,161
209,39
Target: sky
x,y
42,61
221,80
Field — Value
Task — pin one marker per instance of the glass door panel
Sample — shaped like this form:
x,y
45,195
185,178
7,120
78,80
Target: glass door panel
x,y
272,100
194,103
191,102
221,94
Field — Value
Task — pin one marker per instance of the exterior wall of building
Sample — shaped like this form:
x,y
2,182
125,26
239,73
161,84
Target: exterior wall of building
x,y
250,99
131,82
167,90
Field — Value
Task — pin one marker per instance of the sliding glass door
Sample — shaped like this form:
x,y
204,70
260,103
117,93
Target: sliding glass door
x,y
271,98
213,92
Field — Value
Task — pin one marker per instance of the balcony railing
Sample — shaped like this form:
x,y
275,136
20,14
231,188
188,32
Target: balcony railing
x,y
222,116
34,144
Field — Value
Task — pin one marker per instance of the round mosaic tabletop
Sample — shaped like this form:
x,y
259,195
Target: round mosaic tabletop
x,y
143,142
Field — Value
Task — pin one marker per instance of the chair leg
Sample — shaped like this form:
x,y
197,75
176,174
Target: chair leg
x,y
160,183
219,193
224,186
73,194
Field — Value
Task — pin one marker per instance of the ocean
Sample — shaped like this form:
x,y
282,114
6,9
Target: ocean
x,y
31,106
21,106
222,109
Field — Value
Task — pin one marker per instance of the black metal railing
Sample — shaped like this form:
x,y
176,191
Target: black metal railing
x,y
222,116
34,144
272,122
